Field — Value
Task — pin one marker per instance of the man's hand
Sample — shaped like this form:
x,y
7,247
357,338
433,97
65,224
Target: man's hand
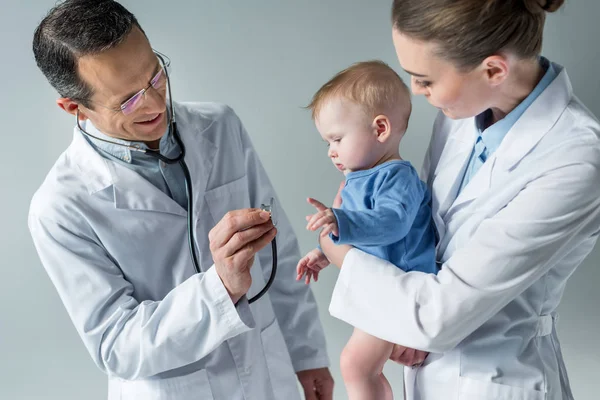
x,y
323,218
310,265
317,384
407,356
233,243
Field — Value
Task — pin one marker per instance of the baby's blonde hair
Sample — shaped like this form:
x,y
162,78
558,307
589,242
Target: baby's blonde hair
x,y
370,84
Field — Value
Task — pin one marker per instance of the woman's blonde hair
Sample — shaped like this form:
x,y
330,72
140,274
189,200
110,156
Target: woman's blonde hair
x,y
468,31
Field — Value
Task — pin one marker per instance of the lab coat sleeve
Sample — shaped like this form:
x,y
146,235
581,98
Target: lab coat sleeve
x,y
293,302
396,205
507,253
125,338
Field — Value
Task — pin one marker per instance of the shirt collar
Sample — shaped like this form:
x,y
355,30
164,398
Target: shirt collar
x,y
167,144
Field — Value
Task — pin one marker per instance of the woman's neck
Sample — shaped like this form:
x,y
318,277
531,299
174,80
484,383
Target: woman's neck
x,y
524,77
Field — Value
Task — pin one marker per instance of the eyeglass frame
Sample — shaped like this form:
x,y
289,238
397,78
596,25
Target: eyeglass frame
x,y
165,63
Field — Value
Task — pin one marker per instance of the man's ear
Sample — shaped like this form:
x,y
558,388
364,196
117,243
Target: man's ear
x,y
71,107
382,127
496,69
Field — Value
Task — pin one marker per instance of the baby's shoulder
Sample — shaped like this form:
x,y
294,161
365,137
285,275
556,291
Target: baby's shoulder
x,y
398,170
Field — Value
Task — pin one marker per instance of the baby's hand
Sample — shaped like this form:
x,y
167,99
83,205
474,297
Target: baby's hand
x,y
310,265
324,218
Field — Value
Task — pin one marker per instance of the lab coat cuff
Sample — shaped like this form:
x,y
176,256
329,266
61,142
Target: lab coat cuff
x,y
312,363
238,317
244,312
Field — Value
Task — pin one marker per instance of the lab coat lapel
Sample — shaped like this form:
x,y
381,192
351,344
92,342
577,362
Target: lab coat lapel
x,y
130,190
139,194
537,120
451,166
479,183
133,192
520,139
199,159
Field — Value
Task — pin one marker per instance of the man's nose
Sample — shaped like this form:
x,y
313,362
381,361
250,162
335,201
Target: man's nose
x,y
153,100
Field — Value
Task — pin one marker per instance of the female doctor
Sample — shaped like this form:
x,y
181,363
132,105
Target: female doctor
x,y
514,171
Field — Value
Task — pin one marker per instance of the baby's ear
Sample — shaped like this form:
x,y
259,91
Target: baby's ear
x,y
382,127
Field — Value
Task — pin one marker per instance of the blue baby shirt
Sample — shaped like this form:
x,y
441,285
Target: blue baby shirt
x,y
386,212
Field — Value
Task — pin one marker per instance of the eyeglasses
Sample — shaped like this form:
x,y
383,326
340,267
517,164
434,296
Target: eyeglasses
x,y
158,82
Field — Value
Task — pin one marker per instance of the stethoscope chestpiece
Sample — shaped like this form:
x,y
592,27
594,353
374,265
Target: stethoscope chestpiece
x,y
270,209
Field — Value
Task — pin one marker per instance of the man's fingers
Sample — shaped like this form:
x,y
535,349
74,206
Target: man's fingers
x,y
249,250
309,391
236,221
316,204
243,238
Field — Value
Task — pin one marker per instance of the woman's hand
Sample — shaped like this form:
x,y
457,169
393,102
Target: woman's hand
x,y
407,356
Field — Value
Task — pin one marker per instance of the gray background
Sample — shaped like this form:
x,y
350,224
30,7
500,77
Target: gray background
x,y
266,59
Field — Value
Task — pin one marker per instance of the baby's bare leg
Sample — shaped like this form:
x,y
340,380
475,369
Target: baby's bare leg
x,y
362,364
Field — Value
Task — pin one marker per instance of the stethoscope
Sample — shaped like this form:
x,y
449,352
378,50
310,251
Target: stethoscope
x,y
188,185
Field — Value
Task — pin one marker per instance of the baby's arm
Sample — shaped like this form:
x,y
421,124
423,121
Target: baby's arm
x,y
315,261
396,204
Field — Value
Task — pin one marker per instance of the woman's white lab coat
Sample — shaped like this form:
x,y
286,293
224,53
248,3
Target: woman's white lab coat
x,y
508,244
116,249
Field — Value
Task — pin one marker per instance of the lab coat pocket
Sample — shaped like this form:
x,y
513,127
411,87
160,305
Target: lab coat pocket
x,y
473,389
228,197
194,386
279,364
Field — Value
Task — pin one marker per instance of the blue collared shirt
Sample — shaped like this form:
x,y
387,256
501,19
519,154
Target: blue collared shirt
x,y
168,178
493,135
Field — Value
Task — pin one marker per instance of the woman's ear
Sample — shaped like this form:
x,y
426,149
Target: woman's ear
x,y
382,128
496,69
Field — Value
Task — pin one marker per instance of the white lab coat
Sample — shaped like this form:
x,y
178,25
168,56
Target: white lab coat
x,y
116,249
508,244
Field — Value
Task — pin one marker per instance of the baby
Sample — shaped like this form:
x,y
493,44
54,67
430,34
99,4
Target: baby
x,y
362,114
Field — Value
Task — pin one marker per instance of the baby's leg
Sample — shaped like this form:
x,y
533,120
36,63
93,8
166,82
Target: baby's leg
x,y
362,364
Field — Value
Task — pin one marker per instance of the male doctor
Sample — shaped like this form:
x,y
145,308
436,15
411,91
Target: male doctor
x,y
109,225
